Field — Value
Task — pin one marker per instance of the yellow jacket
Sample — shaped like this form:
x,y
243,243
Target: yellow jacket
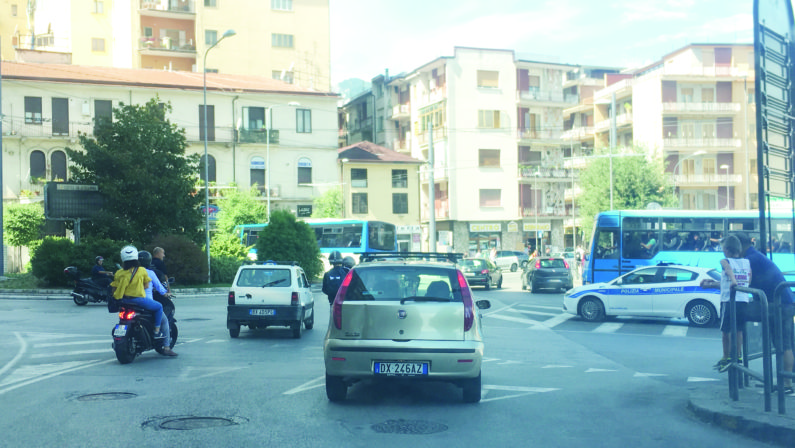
x,y
125,286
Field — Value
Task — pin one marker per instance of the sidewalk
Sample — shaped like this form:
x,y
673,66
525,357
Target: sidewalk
x,y
63,293
747,416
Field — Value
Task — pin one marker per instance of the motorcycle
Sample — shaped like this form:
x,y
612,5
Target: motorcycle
x,y
86,289
134,334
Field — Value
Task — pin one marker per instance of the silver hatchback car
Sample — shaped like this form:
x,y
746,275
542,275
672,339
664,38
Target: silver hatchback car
x,y
405,317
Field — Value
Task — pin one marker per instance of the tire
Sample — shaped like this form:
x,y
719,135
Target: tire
x,y
172,327
592,310
701,313
533,287
234,332
296,327
488,284
514,267
125,350
524,282
336,389
80,302
310,323
472,389
499,283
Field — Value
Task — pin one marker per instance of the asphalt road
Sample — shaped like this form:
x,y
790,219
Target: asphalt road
x,y
548,380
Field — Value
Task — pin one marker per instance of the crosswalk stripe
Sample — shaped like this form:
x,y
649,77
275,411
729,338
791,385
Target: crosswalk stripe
x,y
608,327
543,307
557,320
540,313
514,319
675,331
78,352
63,344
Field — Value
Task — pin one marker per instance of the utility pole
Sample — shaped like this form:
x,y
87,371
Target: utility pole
x,y
431,193
2,244
613,133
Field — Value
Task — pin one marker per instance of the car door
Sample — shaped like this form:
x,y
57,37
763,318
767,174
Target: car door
x,y
305,291
495,272
674,291
632,295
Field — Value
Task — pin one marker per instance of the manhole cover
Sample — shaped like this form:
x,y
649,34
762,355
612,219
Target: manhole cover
x,y
186,423
107,396
194,319
408,427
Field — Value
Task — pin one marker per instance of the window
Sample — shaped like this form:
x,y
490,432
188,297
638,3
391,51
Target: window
x,y
282,40
400,179
488,78
60,116
257,173
673,275
303,121
97,44
253,118
98,7
400,203
489,119
148,32
13,10
103,113
38,165
488,157
359,203
58,164
210,37
32,110
282,5
359,177
643,276
283,75
210,123
210,168
707,95
687,94
210,3
304,171
490,197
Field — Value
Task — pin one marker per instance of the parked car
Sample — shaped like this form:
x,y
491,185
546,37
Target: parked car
x,y
547,273
481,272
651,291
511,259
270,294
403,319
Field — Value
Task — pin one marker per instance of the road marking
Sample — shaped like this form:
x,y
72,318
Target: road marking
x,y
72,353
639,374
489,359
25,373
509,362
215,341
23,346
695,379
608,327
677,331
212,371
555,366
540,313
53,336
600,370
524,391
308,385
543,307
514,319
45,377
557,320
64,344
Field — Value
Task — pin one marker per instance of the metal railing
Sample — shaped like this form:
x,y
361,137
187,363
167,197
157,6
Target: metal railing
x,y
778,322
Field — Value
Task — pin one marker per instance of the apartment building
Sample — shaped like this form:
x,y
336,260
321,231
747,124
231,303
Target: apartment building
x,y
45,106
283,39
695,108
381,184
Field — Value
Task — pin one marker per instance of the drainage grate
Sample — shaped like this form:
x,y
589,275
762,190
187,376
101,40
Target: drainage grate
x,y
408,427
187,423
107,396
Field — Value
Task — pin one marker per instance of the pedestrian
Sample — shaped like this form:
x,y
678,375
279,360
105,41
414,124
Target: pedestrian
x,y
766,277
736,272
333,278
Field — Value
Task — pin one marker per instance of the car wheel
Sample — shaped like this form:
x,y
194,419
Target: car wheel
x,y
488,284
234,332
499,283
310,323
533,287
296,327
514,267
700,313
336,389
592,310
472,389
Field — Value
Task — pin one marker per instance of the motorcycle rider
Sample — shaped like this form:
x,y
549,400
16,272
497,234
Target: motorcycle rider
x,y
145,260
130,283
333,278
98,273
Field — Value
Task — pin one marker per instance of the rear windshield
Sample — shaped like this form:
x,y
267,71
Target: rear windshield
x,y
475,264
264,278
552,263
394,283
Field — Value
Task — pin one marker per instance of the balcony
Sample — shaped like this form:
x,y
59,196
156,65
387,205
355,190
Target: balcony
x,y
257,136
529,212
712,71
442,208
578,133
707,180
358,125
546,96
439,134
153,46
528,172
701,108
537,134
168,6
670,143
621,89
400,111
400,145
45,129
621,120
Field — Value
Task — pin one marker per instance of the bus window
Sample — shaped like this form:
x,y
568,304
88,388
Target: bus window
x,y
606,245
781,236
641,237
701,234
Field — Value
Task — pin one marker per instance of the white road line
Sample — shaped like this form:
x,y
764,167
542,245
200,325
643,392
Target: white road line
x,y
592,370
23,346
514,319
64,344
540,313
35,380
695,379
543,307
306,386
72,353
557,320
676,331
608,327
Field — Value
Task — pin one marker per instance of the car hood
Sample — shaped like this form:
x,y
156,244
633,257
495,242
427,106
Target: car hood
x,y
583,288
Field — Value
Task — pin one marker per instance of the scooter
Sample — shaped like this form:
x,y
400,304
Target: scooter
x,y
86,290
134,334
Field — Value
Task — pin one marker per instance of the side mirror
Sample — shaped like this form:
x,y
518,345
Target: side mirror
x,y
483,304
587,257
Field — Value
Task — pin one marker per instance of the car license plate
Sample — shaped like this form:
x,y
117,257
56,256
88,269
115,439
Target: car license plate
x,y
469,274
400,368
120,330
262,312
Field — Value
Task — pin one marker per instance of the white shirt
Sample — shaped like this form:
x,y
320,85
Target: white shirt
x,y
741,268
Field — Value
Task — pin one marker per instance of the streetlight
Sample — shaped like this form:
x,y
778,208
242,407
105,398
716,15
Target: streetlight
x,y
726,167
268,151
342,183
228,33
535,202
697,153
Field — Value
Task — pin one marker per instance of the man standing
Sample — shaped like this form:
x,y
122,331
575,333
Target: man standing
x,y
766,276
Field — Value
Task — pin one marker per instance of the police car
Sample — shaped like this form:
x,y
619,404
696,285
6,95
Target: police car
x,y
650,291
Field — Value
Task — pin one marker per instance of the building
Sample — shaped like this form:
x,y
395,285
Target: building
x,y
45,106
282,39
382,184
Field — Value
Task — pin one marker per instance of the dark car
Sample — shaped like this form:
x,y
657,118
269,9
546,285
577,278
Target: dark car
x,y
481,272
547,273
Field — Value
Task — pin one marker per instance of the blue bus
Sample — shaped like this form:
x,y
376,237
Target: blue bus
x,y
349,236
628,239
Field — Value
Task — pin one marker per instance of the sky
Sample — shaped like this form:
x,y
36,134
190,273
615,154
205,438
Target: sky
x,y
370,36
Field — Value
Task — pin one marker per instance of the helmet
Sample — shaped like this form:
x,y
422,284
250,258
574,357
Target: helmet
x,y
335,257
129,253
145,258
98,259
348,262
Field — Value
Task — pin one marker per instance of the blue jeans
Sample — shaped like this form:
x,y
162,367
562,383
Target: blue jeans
x,y
157,309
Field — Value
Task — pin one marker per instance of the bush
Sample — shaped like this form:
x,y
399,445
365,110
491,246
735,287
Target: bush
x,y
83,254
224,268
228,244
285,239
49,259
185,261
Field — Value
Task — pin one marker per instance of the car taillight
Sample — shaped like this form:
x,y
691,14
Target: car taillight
x,y
336,307
126,314
466,296
485,271
565,264
231,298
294,299
538,264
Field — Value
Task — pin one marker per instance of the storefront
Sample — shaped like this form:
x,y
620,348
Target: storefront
x,y
483,237
409,238
536,235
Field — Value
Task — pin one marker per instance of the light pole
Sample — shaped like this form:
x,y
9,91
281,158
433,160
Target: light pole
x,y
228,33
728,202
342,183
268,152
535,202
673,172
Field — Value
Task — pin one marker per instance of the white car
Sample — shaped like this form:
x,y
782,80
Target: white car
x,y
270,294
649,291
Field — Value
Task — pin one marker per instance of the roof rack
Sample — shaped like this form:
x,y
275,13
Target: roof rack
x,y
410,256
272,263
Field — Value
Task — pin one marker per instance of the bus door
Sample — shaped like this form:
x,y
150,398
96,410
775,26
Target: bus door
x,y
640,242
605,254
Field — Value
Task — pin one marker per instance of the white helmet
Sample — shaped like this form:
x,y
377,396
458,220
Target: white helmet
x,y
129,253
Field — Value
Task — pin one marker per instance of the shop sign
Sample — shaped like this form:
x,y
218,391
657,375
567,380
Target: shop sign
x,y
541,226
513,227
485,227
408,229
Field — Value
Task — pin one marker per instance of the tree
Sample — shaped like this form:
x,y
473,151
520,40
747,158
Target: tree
x,y
328,205
138,160
287,239
637,182
240,207
22,223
